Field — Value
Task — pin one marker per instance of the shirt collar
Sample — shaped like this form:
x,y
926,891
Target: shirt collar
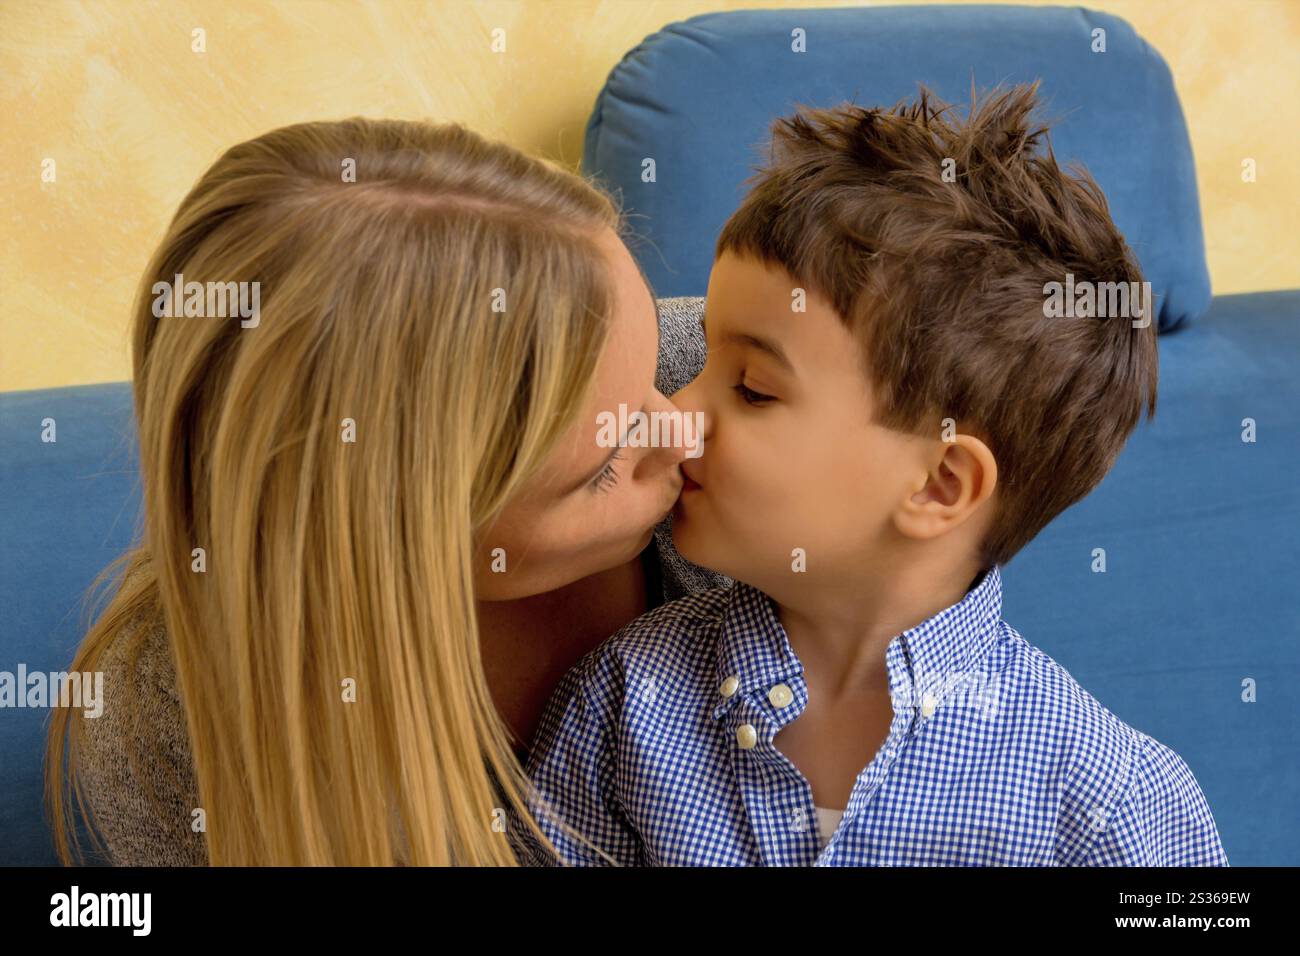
x,y
753,647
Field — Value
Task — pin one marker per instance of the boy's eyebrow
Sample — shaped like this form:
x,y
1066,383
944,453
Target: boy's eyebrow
x,y
759,342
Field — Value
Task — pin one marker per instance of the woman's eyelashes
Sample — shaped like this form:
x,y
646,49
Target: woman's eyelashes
x,y
607,477
750,396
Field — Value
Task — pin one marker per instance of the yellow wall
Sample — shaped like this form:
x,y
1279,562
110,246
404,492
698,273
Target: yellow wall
x,y
113,93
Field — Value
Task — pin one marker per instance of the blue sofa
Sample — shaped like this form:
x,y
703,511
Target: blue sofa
x,y
1199,599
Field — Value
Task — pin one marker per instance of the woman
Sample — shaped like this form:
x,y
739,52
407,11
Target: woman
x,y
378,526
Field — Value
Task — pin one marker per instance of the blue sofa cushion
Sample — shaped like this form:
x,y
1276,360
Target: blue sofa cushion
x,y
699,96
68,508
1202,538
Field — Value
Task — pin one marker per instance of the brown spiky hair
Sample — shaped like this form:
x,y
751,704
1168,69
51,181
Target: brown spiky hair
x,y
943,279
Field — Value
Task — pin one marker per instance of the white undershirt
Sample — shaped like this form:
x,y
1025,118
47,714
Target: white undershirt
x,y
827,821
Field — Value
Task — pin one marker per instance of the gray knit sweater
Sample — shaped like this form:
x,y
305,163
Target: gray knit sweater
x,y
139,831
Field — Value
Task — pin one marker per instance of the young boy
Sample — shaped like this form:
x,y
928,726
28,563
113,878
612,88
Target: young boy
x,y
892,410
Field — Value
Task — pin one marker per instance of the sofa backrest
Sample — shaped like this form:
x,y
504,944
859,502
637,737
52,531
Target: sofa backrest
x,y
68,508
698,98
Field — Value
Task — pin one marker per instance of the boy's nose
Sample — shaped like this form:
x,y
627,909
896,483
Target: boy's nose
x,y
700,422
690,398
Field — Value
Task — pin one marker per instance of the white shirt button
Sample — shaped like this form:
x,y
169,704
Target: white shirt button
x,y
729,686
928,704
746,736
780,696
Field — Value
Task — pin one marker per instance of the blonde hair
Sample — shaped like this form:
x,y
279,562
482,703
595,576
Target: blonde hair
x,y
330,560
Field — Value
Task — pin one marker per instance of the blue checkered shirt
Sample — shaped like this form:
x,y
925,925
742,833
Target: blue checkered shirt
x,y
995,755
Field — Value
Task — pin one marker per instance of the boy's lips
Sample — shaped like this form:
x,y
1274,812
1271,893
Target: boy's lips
x,y
688,483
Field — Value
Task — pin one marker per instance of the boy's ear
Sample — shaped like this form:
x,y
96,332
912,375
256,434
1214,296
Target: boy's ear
x,y
959,476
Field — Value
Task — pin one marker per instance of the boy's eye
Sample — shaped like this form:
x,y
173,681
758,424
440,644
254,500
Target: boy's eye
x,y
752,397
